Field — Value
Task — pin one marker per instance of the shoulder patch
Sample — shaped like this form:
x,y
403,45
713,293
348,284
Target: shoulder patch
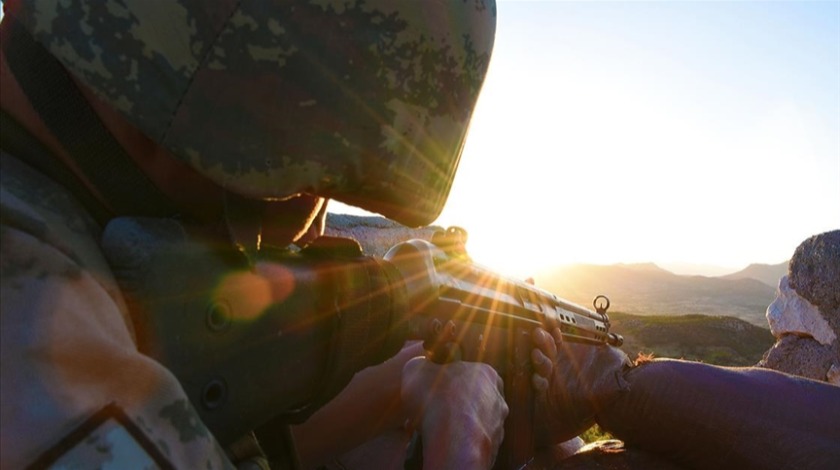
x,y
108,439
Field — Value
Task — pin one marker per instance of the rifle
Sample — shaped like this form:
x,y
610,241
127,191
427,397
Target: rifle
x,y
464,311
275,338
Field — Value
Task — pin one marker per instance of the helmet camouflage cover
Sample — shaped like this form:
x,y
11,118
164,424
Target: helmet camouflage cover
x,y
367,102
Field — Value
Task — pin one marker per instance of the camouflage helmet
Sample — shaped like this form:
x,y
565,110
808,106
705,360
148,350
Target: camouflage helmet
x,y
364,101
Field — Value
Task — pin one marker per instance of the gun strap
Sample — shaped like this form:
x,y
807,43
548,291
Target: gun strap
x,y
124,188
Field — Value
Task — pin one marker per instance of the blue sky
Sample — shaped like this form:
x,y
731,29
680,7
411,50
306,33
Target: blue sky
x,y
701,133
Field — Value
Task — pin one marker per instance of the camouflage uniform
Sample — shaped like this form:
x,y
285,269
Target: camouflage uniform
x,y
68,348
366,102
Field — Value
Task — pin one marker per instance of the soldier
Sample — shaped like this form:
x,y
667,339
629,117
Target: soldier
x,y
239,117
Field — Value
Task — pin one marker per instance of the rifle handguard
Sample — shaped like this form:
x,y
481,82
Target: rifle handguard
x,y
442,288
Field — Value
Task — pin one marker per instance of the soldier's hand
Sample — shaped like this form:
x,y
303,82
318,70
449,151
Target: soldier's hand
x,y
573,382
459,410
542,358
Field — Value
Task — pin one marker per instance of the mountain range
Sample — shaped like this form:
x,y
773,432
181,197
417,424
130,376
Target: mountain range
x,y
647,289
766,273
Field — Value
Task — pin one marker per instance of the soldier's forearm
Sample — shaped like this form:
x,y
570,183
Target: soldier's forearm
x,y
703,416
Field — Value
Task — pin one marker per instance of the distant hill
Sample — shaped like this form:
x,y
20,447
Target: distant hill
x,y
723,341
646,289
766,273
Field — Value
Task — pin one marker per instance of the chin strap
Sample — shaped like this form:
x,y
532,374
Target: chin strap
x,y
16,141
243,219
124,188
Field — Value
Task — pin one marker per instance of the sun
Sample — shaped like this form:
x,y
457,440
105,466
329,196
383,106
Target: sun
x,y
506,254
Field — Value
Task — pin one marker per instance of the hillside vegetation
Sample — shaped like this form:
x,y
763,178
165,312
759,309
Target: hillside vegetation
x,y
722,341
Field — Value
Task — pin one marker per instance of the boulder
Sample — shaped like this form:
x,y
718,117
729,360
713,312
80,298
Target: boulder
x,y
800,356
805,317
815,273
791,314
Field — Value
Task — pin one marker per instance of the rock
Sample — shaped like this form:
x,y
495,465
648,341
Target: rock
x,y
834,375
815,272
792,314
376,234
800,356
805,317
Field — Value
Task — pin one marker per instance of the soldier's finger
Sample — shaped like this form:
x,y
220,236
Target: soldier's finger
x,y
544,342
542,364
540,383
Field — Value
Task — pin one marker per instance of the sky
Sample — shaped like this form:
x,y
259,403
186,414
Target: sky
x,y
700,136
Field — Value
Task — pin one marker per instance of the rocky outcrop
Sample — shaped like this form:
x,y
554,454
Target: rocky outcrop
x,y
805,317
376,234
791,314
815,273
800,356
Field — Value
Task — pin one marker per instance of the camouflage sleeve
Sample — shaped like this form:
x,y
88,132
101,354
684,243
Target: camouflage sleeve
x,y
75,390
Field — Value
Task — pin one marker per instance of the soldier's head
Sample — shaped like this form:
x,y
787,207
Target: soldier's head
x,y
367,102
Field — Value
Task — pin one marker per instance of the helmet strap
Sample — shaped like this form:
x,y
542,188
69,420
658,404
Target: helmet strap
x,y
102,161
244,219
